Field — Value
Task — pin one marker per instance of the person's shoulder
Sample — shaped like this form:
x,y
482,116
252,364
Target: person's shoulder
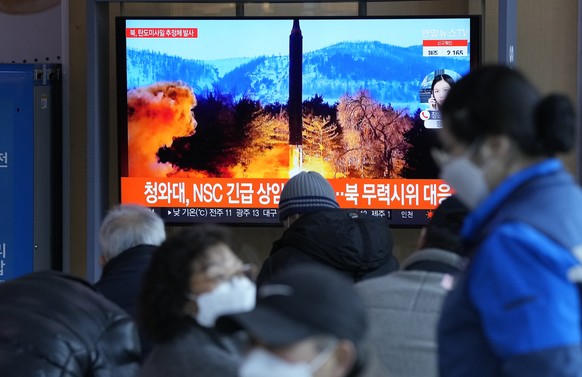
x,y
290,248
178,347
397,281
139,254
377,284
366,220
201,349
57,277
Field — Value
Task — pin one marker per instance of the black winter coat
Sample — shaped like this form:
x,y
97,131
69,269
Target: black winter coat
x,y
121,278
55,325
357,245
121,283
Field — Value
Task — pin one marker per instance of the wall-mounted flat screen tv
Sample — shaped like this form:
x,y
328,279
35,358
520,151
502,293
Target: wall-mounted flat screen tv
x,y
216,114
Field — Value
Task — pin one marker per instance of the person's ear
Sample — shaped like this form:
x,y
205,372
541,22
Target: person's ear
x,y
102,260
497,146
345,356
191,307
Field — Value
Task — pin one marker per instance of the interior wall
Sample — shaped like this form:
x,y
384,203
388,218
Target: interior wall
x,y
546,46
546,32
75,89
32,37
546,49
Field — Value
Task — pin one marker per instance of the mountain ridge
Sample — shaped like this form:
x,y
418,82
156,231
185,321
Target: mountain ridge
x,y
392,74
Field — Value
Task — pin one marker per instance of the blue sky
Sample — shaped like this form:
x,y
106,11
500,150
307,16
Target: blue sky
x,y
235,38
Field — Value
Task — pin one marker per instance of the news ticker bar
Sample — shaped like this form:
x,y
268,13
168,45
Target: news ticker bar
x,y
263,216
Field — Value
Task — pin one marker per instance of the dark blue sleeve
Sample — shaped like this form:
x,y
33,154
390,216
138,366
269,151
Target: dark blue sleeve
x,y
530,310
561,361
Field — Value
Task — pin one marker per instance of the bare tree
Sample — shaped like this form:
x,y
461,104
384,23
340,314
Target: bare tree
x,y
373,135
265,131
319,137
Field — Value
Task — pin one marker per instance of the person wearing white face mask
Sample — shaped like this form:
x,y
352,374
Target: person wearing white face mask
x,y
308,321
231,296
194,277
515,310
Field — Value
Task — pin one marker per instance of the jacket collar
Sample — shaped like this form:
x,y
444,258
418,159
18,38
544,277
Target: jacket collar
x,y
130,255
477,218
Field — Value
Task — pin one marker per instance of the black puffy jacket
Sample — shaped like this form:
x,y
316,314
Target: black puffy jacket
x,y
357,245
52,324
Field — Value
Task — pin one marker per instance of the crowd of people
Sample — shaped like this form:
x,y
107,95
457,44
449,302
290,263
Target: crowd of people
x,y
493,288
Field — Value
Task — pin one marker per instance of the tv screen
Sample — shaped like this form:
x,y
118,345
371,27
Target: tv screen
x,y
216,114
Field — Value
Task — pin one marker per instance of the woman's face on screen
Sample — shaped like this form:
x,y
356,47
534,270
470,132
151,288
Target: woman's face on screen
x,y
440,91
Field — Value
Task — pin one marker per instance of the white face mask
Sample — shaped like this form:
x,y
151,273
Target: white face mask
x,y
466,179
262,363
233,296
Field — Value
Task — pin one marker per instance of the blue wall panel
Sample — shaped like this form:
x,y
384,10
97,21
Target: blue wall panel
x,y
16,170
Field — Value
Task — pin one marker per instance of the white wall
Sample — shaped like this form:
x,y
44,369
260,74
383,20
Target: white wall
x,y
33,36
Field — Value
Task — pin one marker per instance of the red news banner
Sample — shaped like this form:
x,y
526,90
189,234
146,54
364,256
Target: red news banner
x,y
445,47
407,194
161,32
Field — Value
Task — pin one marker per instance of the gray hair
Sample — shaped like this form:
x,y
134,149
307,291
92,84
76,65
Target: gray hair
x,y
126,226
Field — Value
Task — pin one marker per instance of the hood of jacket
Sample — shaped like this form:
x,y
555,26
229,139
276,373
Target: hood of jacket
x,y
360,245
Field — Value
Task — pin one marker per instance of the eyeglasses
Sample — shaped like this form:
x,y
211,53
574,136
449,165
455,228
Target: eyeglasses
x,y
248,270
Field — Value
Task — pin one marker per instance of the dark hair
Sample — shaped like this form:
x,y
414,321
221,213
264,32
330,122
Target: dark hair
x,y
443,77
497,100
443,229
167,280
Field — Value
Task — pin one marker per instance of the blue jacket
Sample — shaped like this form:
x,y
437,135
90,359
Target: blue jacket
x,y
515,311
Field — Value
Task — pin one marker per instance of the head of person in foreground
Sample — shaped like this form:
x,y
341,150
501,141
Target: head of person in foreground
x,y
308,321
